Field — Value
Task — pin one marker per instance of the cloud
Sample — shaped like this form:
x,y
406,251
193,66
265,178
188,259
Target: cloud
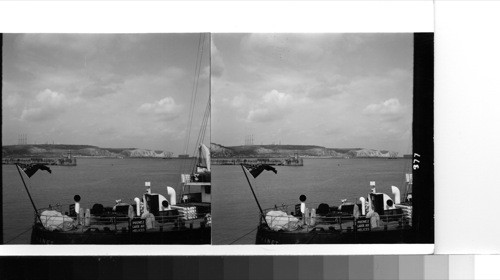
x,y
76,43
326,91
325,86
274,106
51,98
390,109
168,80
336,90
205,74
285,44
217,63
107,130
47,105
399,74
297,49
10,100
164,109
102,86
239,101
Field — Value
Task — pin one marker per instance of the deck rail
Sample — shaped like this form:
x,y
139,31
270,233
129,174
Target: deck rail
x,y
338,221
116,221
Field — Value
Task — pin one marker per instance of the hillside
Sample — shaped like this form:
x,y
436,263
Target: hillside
x,y
53,151
220,151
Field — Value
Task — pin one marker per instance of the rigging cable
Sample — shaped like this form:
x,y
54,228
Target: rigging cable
x,y
242,236
192,100
201,43
201,135
206,118
407,167
17,236
196,77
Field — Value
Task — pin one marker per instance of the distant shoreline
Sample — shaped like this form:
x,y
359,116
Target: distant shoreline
x,y
79,151
302,151
306,157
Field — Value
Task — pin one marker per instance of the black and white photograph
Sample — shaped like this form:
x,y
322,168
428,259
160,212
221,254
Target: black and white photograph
x,y
312,139
249,139
105,138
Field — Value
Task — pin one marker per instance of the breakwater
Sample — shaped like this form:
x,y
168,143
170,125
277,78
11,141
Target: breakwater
x,y
65,161
293,161
47,161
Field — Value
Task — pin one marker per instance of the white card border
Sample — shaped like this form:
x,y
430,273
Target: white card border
x,y
214,17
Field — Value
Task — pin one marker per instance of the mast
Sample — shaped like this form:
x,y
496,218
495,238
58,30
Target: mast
x,y
199,150
254,196
29,195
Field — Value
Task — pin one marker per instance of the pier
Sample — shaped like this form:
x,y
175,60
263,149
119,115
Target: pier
x,y
65,161
46,161
292,161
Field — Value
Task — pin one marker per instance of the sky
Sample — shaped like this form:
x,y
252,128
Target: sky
x,y
333,90
107,90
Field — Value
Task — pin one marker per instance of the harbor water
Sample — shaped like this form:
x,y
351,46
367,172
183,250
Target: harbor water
x,y
235,212
96,180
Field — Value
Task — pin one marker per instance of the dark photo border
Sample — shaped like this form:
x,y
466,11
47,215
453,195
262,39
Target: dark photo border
x,y
423,137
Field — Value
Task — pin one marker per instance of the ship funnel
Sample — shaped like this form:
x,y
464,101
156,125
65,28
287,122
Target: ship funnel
x,y
171,196
302,199
77,198
397,195
137,206
363,205
148,187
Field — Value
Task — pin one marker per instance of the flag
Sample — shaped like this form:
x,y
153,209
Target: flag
x,y
255,170
31,169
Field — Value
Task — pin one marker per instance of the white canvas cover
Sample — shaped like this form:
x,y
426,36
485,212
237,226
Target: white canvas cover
x,y
53,220
205,155
279,220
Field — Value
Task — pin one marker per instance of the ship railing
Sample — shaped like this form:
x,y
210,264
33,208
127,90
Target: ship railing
x,y
116,220
195,178
339,221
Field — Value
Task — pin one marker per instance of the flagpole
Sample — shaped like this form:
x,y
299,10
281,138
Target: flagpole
x,y
256,200
29,195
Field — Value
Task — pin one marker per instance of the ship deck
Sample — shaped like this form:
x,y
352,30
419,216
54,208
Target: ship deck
x,y
337,230
346,227
123,230
335,222
124,226
116,222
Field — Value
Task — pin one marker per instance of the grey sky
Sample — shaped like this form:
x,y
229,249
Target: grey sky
x,y
334,90
109,90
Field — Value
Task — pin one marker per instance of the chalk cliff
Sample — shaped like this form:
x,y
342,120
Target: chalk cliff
x,y
49,151
220,151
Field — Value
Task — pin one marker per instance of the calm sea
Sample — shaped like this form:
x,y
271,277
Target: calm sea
x,y
235,212
95,180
